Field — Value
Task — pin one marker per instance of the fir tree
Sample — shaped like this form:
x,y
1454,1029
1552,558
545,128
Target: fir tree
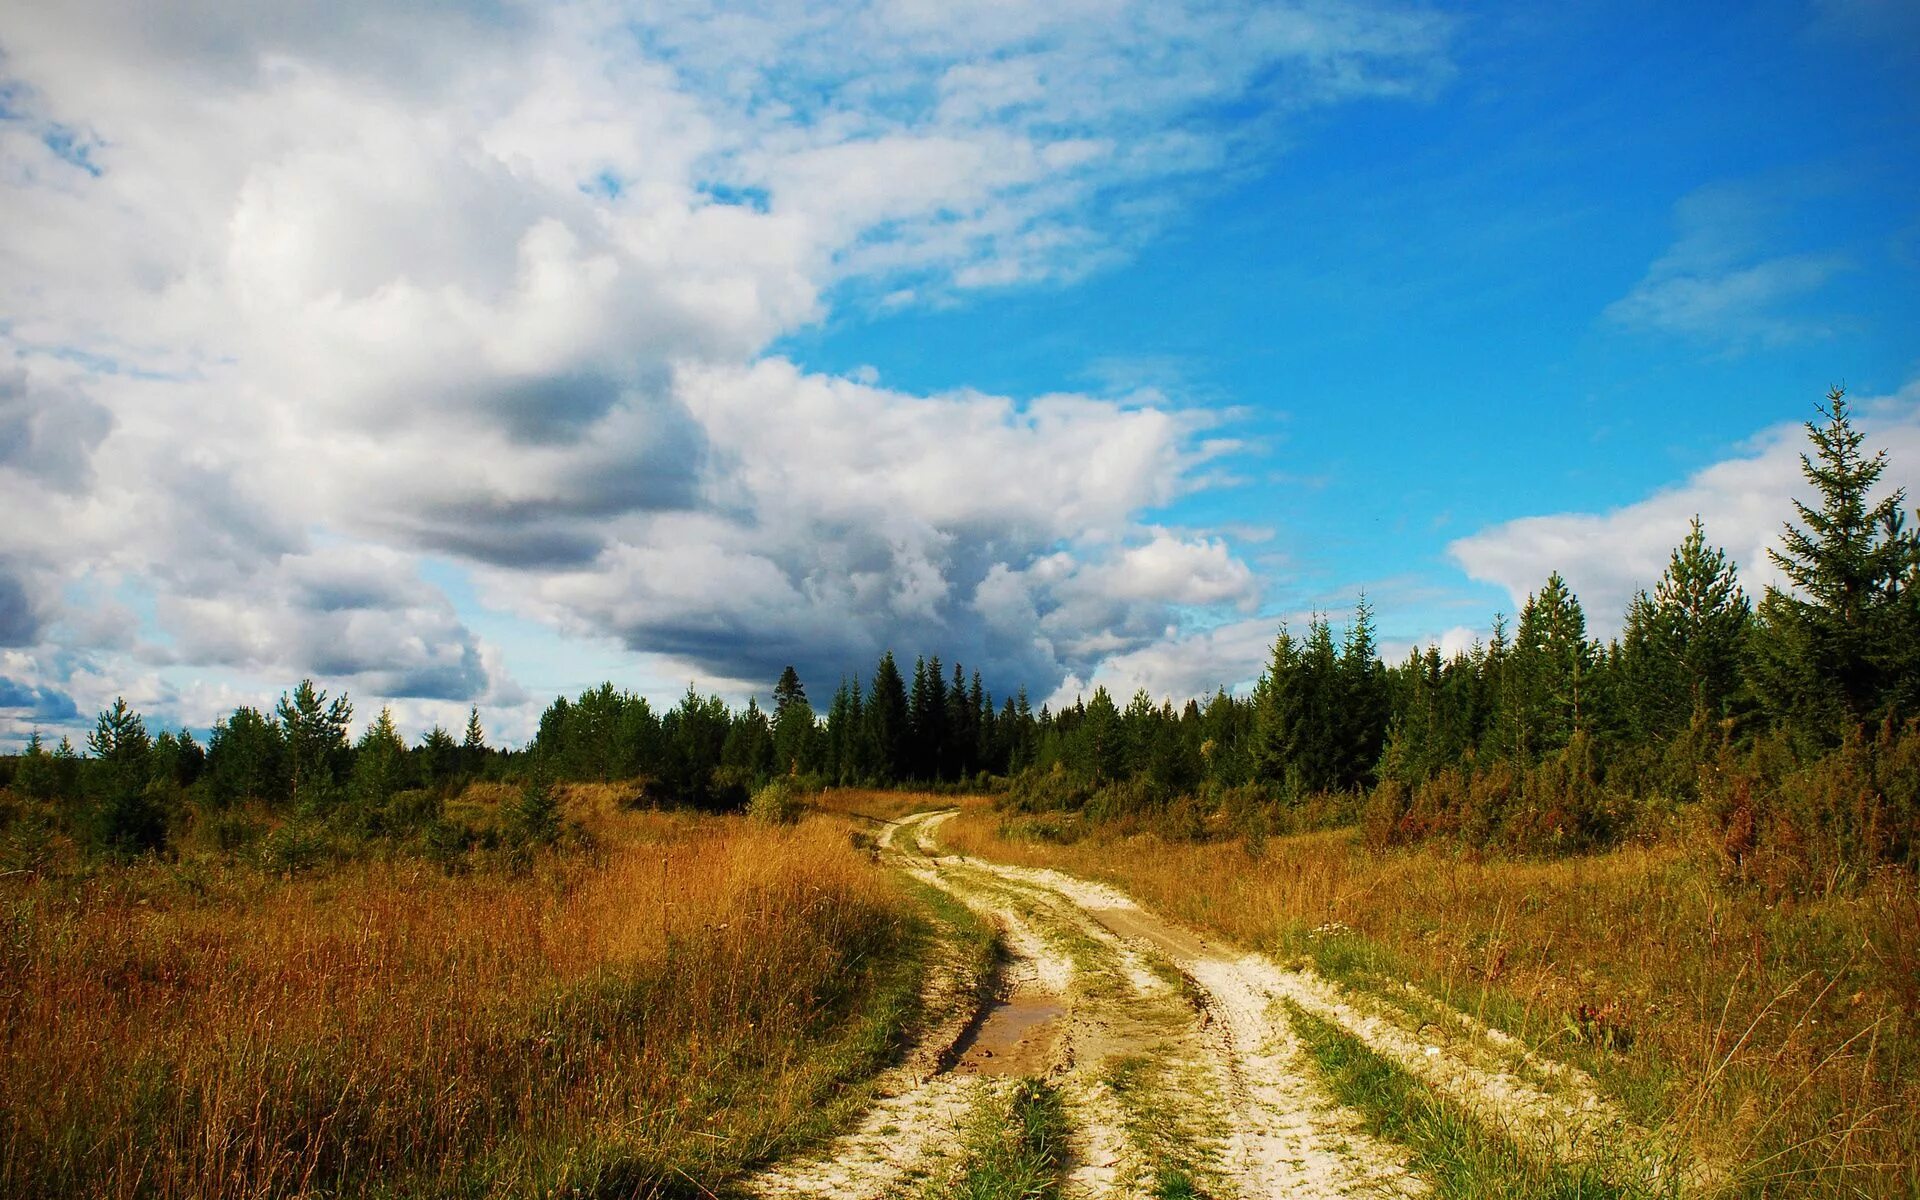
x,y
886,722
1682,644
1837,651
316,740
126,820
793,725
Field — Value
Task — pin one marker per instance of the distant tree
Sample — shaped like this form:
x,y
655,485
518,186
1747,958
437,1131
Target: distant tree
x,y
37,777
886,720
1365,704
793,725
126,818
847,759
1278,712
1682,643
473,748
379,769
316,739
749,744
1546,686
1100,742
246,756
440,756
1838,650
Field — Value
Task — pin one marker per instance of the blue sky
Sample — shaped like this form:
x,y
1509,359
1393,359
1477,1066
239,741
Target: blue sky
x,y
465,355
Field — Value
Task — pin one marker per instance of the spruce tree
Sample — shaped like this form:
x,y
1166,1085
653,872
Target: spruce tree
x,y
793,725
379,770
126,819
886,722
1365,705
1682,644
316,740
1836,651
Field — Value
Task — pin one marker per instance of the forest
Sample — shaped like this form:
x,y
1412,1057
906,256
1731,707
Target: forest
x,y
1785,727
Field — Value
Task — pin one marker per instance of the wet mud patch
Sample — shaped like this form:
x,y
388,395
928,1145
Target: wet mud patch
x,y
1020,1037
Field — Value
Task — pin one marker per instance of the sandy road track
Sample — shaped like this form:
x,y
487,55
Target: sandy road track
x,y
1171,1051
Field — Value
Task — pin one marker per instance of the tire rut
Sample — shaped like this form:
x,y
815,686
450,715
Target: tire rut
x,y
1169,1050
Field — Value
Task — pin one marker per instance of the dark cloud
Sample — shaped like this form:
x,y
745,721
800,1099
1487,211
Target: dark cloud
x,y
552,409
19,621
50,433
36,703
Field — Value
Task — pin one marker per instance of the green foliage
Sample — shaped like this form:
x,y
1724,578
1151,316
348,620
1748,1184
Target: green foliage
x,y
534,817
316,742
1840,650
1683,644
127,819
777,803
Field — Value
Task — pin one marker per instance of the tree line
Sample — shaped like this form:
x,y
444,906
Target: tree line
x,y
1540,736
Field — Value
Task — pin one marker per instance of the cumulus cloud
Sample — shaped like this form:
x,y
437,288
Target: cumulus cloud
x,y
1742,501
292,295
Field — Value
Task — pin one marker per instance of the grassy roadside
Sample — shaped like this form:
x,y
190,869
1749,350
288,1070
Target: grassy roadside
x,y
1775,1037
1462,1157
699,996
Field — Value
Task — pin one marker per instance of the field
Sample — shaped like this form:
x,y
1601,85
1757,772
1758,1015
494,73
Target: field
x,y
1777,1040
696,995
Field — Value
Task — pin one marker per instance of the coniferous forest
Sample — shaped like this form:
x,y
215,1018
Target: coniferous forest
x,y
1784,725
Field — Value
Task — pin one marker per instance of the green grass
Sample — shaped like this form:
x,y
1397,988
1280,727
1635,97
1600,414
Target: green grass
x,y
1641,1083
1014,1148
1164,1129
1461,1156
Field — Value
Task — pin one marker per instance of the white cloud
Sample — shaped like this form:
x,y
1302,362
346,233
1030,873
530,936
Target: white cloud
x,y
1742,501
292,294
1715,283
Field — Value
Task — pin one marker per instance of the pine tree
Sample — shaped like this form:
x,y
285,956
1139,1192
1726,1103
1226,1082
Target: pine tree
x,y
473,747
126,820
793,725
1837,653
316,740
246,758
534,817
1545,688
1364,703
1682,644
379,770
1278,712
36,778
886,722
1100,744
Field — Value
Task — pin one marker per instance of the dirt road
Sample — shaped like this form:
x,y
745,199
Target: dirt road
x,y
1172,1053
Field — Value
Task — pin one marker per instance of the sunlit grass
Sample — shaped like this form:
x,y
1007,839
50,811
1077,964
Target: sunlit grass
x,y
1775,1040
701,995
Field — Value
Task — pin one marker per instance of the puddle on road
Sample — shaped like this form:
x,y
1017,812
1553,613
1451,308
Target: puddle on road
x,y
1017,1038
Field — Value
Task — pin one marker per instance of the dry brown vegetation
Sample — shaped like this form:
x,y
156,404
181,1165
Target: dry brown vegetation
x,y
1777,1035
694,996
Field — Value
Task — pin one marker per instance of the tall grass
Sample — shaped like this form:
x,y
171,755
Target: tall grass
x,y
1778,1035
692,999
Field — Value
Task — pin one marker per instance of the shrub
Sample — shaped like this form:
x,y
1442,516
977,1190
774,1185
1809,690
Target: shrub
x,y
778,803
1052,790
294,847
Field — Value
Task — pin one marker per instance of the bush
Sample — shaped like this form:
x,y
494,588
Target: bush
x,y
1053,790
534,818
778,803
294,847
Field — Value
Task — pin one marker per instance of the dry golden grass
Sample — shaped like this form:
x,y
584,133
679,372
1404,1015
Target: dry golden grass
x,y
1782,1040
691,999
873,806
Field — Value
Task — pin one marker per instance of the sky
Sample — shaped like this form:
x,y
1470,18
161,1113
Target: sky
x,y
463,354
